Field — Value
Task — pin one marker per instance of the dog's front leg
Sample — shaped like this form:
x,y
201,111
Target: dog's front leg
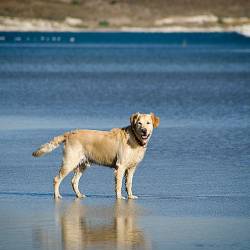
x,y
129,181
119,173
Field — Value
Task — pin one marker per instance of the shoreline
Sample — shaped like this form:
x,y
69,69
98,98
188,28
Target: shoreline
x,y
204,23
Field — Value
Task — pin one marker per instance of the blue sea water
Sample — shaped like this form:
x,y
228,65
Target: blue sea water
x,y
194,182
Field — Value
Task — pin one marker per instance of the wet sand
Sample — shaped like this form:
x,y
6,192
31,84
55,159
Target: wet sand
x,y
35,221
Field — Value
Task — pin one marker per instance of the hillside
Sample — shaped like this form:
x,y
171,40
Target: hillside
x,y
124,14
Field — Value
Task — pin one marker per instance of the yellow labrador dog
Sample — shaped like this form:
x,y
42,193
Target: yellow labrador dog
x,y
119,148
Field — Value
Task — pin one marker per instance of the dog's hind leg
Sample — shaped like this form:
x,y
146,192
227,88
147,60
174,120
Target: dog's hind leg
x,y
70,162
64,171
75,180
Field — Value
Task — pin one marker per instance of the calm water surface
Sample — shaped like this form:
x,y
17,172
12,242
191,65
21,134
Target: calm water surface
x,y
194,182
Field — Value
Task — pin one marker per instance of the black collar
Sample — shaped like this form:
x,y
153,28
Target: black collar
x,y
137,139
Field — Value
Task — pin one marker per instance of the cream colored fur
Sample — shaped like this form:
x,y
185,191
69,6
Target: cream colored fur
x,y
119,148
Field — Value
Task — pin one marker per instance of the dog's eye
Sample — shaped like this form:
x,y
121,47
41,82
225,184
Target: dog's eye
x,y
148,122
139,123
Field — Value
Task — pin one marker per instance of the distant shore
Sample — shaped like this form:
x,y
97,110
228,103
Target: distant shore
x,y
126,15
200,23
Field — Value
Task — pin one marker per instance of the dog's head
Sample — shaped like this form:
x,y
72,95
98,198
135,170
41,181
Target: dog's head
x,y
143,125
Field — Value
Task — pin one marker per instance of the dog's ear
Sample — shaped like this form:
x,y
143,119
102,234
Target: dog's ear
x,y
155,120
133,118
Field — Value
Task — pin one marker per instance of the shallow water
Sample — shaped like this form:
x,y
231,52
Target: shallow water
x,y
194,182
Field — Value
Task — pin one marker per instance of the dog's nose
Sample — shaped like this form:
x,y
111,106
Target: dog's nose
x,y
144,130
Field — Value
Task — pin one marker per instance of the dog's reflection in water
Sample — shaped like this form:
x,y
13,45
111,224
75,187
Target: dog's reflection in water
x,y
114,227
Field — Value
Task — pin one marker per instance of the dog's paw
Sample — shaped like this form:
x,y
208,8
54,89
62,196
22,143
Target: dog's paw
x,y
80,196
132,197
120,197
57,197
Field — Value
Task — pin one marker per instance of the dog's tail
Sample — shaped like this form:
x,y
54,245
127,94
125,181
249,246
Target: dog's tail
x,y
50,146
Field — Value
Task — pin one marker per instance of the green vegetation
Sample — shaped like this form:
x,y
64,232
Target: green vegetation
x,y
76,2
104,23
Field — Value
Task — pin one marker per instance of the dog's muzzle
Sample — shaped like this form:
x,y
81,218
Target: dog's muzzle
x,y
144,134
